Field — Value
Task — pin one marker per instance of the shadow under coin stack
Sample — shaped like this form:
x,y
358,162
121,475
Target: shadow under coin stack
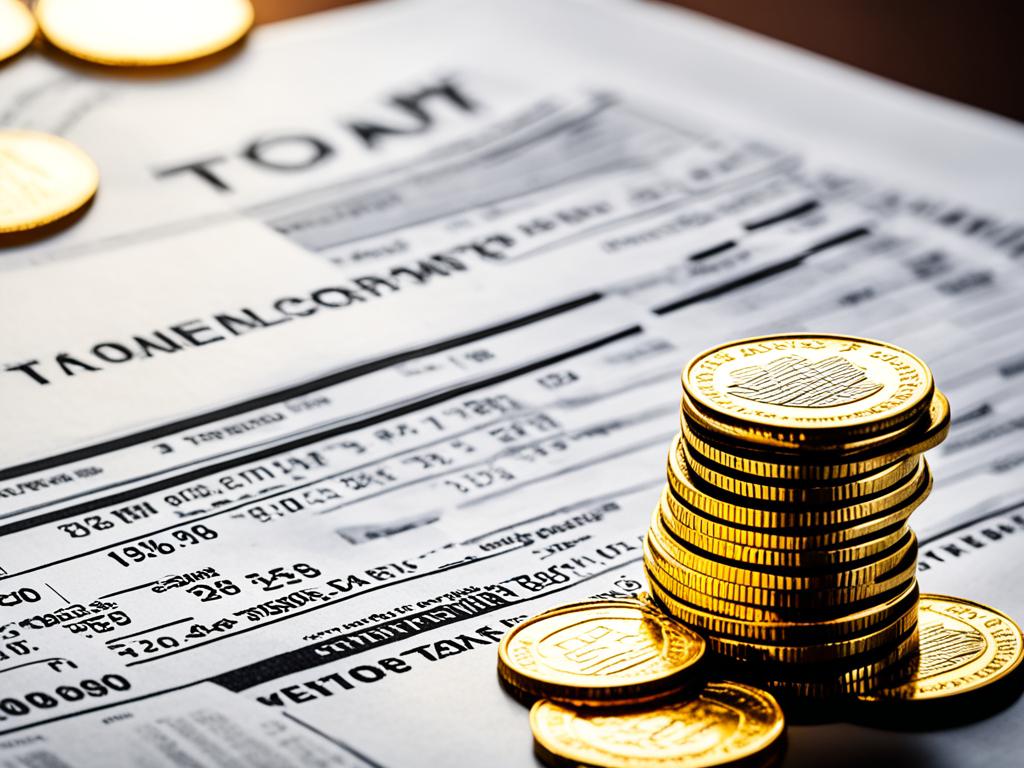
x,y
782,534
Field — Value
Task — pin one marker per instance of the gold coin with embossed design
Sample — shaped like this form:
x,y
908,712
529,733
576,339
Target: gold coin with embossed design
x,y
725,724
805,390
42,178
964,647
143,32
17,27
600,652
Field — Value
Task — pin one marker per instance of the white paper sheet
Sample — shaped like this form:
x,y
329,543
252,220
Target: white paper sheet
x,y
391,360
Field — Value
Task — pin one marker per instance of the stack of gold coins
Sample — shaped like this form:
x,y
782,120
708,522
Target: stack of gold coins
x,y
782,533
616,683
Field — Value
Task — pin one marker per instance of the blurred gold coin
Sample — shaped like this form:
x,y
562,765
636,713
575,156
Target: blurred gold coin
x,y
724,724
964,647
42,178
143,32
601,652
803,389
17,27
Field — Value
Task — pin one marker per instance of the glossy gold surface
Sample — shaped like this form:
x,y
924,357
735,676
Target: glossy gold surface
x,y
875,569
17,28
600,651
718,622
761,515
806,389
43,178
777,603
677,517
766,557
725,723
964,647
873,483
777,465
143,32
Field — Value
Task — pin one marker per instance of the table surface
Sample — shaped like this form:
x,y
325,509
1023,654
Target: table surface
x,y
969,52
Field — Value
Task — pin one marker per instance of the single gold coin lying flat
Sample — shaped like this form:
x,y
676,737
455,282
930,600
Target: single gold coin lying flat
x,y
802,389
964,647
143,32
42,178
17,27
726,723
601,652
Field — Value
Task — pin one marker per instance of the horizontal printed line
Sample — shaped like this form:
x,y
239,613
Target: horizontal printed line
x,y
294,391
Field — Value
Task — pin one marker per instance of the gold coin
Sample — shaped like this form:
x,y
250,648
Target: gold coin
x,y
678,516
780,466
788,632
703,590
863,572
816,653
42,178
143,32
866,676
17,27
601,652
794,390
724,724
762,557
964,647
785,516
764,614
722,485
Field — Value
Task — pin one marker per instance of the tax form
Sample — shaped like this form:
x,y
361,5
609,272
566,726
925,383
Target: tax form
x,y
369,348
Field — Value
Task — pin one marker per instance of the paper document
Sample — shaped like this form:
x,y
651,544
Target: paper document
x,y
369,348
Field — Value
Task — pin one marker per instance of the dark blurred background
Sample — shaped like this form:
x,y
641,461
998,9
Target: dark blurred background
x,y
968,50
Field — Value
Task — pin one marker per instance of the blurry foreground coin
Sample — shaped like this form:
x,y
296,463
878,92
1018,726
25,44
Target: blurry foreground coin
x,y
42,179
964,648
724,724
600,652
143,32
17,27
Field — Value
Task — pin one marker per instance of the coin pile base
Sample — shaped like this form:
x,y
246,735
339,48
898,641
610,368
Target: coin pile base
x,y
619,683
